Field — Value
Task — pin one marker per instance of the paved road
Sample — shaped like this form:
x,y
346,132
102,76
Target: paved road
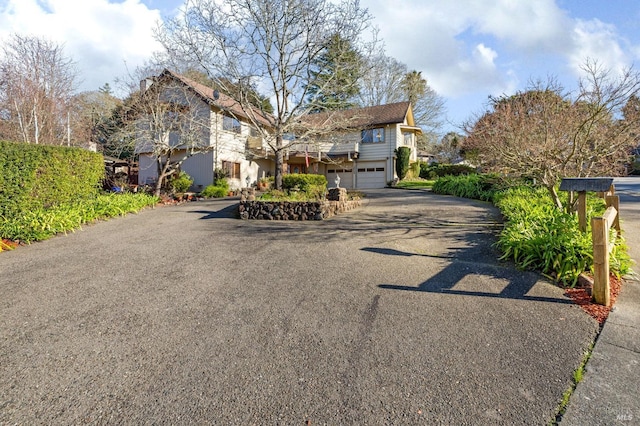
x,y
395,313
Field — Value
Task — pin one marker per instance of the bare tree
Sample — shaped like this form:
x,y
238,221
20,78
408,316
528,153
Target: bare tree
x,y
90,114
263,46
547,134
386,80
37,84
165,119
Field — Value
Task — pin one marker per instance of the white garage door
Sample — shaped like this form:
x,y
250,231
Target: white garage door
x,y
346,177
371,175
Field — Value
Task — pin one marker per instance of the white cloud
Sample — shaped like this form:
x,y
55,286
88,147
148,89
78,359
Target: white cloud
x,y
532,26
100,36
596,40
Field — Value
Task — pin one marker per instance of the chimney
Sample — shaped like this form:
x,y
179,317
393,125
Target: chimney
x,y
145,84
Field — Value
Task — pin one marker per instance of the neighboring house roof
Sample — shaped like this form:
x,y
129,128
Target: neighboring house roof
x,y
217,99
366,117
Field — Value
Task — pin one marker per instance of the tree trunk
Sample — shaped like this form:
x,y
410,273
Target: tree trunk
x,y
279,163
554,196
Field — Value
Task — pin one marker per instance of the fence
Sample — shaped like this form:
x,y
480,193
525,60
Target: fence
x,y
600,226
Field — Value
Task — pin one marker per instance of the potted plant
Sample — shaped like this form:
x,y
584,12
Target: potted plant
x,y
263,184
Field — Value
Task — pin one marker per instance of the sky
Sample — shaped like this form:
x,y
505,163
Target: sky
x,y
466,49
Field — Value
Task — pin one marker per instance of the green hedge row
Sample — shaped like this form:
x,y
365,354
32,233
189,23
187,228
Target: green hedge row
x,y
39,176
302,181
433,171
537,235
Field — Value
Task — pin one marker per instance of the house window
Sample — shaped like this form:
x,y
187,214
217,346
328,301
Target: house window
x,y
373,135
231,169
231,124
408,138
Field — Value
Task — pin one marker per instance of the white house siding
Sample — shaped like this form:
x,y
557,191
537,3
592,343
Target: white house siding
x,y
147,170
200,168
374,167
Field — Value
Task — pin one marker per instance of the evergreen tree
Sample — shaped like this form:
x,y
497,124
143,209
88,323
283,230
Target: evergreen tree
x,y
335,76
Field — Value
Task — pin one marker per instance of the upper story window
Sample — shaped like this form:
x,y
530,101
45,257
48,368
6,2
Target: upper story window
x,y
373,135
231,124
408,138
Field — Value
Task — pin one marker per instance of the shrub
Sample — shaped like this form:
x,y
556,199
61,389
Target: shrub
x,y
181,183
435,170
414,170
479,187
39,176
42,223
539,236
403,156
314,186
214,191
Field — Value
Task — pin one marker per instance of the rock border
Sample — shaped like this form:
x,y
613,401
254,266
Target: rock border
x,y
337,202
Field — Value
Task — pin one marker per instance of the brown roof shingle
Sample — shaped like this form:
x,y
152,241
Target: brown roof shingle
x,y
219,100
364,117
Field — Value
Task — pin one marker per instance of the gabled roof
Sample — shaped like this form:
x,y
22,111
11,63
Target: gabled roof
x,y
216,99
379,115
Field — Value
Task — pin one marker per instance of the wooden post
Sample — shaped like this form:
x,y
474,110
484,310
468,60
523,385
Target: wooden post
x,y
614,201
582,210
600,235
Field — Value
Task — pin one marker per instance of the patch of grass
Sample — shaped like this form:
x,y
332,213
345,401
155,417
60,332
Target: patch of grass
x,y
415,184
578,375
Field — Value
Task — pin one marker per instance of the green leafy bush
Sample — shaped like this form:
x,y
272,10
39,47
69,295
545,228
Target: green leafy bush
x,y
314,186
214,191
403,157
181,183
39,176
479,187
539,236
435,170
42,223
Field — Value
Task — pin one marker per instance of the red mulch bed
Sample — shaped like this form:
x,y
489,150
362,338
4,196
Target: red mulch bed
x,y
8,245
581,295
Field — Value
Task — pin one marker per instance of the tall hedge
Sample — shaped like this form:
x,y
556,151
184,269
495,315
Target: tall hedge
x,y
41,176
403,157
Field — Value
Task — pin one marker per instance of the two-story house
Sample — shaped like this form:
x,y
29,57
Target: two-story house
x,y
361,150
223,139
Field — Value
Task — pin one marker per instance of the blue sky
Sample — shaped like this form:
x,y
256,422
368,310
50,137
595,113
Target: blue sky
x,y
467,49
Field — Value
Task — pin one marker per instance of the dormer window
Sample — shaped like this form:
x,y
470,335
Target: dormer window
x,y
231,124
373,135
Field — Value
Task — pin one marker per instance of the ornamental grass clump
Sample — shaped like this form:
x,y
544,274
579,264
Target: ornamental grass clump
x,y
43,223
479,187
539,236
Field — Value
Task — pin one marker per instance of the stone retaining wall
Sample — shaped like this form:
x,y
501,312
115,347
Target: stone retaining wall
x,y
294,210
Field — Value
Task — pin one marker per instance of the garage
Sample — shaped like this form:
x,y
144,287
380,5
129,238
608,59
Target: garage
x,y
346,176
371,175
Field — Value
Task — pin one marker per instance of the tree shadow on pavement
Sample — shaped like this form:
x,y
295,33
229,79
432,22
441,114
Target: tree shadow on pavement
x,y
226,212
519,283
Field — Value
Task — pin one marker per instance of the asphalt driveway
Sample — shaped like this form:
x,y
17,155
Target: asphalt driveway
x,y
395,313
